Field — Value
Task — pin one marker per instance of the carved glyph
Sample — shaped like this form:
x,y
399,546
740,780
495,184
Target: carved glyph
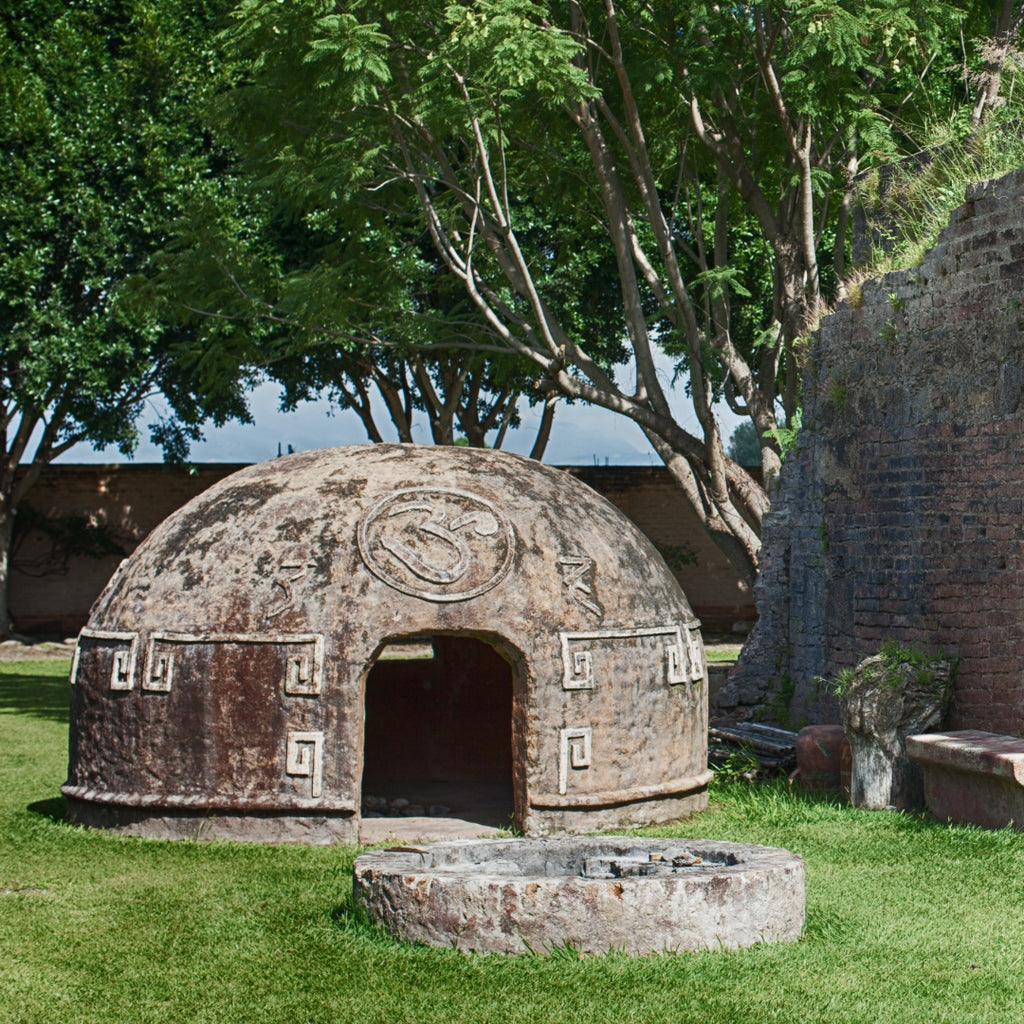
x,y
578,580
292,576
304,757
575,751
437,544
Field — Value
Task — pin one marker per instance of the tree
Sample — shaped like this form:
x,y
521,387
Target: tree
x,y
261,286
678,154
996,51
99,148
744,446
273,271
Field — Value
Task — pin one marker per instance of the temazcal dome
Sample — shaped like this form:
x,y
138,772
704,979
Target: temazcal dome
x,y
225,684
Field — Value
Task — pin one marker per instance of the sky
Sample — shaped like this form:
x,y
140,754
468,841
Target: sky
x,y
581,435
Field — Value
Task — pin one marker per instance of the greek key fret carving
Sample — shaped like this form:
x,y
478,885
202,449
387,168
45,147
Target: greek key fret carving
x,y
685,663
303,657
681,656
304,672
122,675
304,757
125,649
159,671
582,676
575,751
676,665
693,671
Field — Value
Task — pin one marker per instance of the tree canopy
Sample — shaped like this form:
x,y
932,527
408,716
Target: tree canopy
x,y
684,171
101,142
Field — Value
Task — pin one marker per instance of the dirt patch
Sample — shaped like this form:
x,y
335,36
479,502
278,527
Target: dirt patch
x,y
27,649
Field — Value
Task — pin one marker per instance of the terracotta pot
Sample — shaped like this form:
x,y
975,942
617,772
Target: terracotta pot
x,y
819,758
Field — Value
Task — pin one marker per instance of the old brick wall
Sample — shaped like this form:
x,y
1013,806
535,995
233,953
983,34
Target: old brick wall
x,y
655,504
51,591
901,514
51,594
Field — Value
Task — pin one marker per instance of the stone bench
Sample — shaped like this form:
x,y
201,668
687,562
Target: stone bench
x,y
972,777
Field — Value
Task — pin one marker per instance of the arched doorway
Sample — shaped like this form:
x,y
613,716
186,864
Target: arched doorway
x,y
438,732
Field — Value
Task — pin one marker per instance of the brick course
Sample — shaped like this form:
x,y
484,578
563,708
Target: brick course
x,y
900,514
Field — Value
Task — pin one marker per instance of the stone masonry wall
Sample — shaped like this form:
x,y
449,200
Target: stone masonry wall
x,y
901,514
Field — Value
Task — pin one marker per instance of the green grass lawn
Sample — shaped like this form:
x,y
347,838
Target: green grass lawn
x,y
722,653
907,921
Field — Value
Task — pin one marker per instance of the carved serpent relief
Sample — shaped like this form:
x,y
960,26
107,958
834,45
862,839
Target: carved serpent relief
x,y
437,543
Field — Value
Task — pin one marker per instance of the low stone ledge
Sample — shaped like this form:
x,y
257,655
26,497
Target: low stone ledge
x,y
972,777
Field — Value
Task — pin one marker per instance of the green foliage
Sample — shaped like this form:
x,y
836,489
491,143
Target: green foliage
x,y
744,446
786,436
780,709
908,206
842,681
677,555
838,394
549,188
310,263
719,654
104,144
100,145
738,765
893,656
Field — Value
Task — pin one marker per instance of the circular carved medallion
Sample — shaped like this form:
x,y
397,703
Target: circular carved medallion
x,y
437,544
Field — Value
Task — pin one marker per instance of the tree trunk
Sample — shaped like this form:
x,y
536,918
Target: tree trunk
x,y
1007,26
544,430
6,532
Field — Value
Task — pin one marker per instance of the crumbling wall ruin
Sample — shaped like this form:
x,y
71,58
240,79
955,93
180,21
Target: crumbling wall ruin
x,y
901,514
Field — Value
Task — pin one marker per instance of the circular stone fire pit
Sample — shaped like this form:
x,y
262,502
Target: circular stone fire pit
x,y
597,894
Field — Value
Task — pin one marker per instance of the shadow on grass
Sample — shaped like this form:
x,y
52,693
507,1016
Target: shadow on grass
x,y
42,696
353,920
54,810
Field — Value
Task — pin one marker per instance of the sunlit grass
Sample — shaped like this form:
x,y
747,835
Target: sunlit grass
x,y
916,201
907,921
722,653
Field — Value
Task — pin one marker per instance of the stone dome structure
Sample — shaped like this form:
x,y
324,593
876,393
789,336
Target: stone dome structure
x,y
226,682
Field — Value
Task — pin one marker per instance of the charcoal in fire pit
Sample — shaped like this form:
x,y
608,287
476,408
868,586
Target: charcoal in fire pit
x,y
620,867
682,858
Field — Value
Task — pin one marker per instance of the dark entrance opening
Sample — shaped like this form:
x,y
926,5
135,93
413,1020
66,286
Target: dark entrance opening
x,y
438,732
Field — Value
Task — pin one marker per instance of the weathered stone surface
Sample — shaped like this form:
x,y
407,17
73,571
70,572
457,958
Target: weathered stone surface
x,y
882,705
222,674
972,777
624,893
900,515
